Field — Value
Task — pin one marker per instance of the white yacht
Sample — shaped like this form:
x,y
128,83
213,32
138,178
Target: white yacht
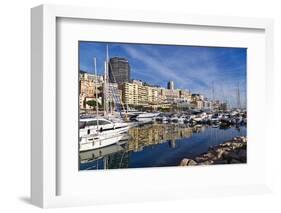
x,y
216,117
131,112
147,116
89,126
200,117
181,119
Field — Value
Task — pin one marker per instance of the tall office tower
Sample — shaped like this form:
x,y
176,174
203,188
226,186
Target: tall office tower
x,y
171,85
119,70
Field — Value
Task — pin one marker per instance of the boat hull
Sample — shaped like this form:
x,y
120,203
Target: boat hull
x,y
96,142
146,117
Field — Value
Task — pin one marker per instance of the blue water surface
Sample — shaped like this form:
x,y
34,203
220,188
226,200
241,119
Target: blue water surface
x,y
167,153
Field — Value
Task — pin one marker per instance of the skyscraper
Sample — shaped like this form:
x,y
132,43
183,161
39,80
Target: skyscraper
x,y
119,70
171,85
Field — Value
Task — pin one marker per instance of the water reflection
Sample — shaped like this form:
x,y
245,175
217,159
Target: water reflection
x,y
157,133
157,145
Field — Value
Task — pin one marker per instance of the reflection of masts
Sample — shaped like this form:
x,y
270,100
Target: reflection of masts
x,y
120,164
105,162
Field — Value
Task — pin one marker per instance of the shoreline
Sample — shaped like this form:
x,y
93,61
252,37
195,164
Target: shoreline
x,y
229,152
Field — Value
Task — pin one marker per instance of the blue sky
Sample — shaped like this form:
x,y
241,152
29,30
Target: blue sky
x,y
191,68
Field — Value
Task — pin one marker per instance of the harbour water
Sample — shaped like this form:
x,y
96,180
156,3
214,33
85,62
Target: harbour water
x,y
157,145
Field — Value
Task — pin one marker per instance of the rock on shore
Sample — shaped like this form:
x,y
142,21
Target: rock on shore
x,y
229,152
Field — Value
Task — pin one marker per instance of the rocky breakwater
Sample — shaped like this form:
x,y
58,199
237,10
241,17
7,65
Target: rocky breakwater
x,y
229,152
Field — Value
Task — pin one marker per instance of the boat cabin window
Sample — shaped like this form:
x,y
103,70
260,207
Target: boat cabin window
x,y
92,123
82,125
102,122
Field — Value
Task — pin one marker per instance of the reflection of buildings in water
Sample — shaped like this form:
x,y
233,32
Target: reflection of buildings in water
x,y
113,156
156,134
118,160
117,156
198,129
92,155
172,143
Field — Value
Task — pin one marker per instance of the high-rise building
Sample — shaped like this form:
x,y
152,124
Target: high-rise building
x,y
119,70
171,85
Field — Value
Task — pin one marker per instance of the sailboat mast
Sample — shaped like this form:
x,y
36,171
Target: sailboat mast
x,y
96,91
213,91
106,79
107,55
238,96
213,95
224,100
104,90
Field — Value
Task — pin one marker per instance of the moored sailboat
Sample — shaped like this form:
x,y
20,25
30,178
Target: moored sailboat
x,y
99,132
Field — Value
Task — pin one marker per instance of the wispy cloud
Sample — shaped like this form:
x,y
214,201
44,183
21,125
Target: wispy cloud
x,y
153,64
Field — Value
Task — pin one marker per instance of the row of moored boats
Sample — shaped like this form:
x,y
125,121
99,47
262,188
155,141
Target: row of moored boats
x,y
96,132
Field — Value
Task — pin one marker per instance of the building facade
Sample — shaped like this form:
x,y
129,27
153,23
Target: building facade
x,y
119,70
136,93
87,88
170,96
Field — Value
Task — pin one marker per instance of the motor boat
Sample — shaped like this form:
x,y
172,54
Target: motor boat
x,y
103,126
147,116
174,119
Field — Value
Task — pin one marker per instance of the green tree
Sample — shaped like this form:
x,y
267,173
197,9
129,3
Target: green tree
x,y
91,103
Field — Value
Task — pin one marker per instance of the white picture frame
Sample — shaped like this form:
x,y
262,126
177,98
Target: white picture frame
x,y
44,135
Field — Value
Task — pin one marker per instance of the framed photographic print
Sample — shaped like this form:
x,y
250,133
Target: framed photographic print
x,y
153,105
147,105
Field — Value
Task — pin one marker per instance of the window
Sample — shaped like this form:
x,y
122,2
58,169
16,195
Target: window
x,y
92,123
82,125
103,122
